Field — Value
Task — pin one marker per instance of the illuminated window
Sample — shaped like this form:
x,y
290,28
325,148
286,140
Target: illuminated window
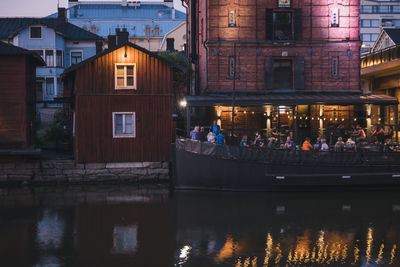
x,y
124,124
125,76
335,17
232,19
335,67
283,74
36,32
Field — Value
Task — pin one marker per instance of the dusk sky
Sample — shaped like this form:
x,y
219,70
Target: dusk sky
x,y
41,8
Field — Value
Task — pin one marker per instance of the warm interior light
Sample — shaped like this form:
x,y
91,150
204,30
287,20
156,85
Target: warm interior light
x,y
183,103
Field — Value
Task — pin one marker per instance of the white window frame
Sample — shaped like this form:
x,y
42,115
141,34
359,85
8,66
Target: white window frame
x,y
70,56
134,86
124,135
41,33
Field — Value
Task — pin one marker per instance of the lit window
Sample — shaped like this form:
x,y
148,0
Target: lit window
x,y
124,124
76,57
335,66
232,19
49,58
36,32
125,76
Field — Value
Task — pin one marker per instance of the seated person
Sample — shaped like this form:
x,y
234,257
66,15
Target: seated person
x,y
258,142
339,146
271,143
318,144
324,145
211,136
243,143
350,145
379,133
389,133
360,134
275,133
194,135
388,146
289,144
202,135
307,145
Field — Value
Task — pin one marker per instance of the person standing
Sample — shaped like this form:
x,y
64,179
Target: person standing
x,y
289,144
243,143
215,127
195,133
220,139
211,137
324,145
307,145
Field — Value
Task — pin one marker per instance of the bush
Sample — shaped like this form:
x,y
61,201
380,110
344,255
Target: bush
x,y
58,132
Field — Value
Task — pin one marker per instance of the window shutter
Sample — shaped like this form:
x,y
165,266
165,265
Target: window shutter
x,y
268,72
298,24
269,24
299,73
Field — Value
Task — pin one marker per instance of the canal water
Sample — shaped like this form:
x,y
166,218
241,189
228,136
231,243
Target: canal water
x,y
150,226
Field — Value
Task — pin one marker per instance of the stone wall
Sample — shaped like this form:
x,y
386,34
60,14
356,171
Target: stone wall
x,y
69,172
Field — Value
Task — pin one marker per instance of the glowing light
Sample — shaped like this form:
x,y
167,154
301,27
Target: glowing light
x,y
183,103
268,249
369,244
184,255
252,113
355,119
342,119
380,255
265,114
244,112
392,254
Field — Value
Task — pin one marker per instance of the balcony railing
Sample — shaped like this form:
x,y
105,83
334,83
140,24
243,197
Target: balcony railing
x,y
380,57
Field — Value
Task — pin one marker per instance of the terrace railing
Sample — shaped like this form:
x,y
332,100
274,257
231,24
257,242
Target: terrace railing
x,y
363,156
379,57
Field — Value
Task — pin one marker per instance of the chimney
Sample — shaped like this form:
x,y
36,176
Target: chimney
x,y
112,42
169,3
173,13
99,47
61,18
122,36
124,3
72,3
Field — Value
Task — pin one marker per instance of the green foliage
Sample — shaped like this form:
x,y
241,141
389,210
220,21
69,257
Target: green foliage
x,y
177,58
58,132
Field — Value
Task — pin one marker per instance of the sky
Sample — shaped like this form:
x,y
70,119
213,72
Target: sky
x,y
42,8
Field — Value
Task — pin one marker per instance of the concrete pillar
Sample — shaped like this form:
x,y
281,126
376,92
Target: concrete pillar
x,y
321,121
268,110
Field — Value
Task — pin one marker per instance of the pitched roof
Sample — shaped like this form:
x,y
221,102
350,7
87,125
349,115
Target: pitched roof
x,y
8,49
394,34
9,27
115,11
107,51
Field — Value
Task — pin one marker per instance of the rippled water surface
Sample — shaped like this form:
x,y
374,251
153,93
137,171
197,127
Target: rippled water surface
x,y
149,226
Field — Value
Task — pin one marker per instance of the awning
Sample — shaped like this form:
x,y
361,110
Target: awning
x,y
287,99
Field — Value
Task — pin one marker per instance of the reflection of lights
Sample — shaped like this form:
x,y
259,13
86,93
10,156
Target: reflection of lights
x,y
184,254
369,244
356,253
380,255
50,230
268,249
278,254
392,254
227,250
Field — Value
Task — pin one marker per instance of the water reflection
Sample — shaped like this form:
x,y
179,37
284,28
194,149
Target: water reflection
x,y
131,226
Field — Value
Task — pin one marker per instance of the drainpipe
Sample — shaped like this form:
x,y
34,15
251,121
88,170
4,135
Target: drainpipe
x,y
205,43
187,45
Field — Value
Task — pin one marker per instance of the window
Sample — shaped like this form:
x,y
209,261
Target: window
x,y
125,76
170,44
232,67
36,32
59,58
283,74
335,66
59,87
39,52
232,19
283,26
157,30
124,124
49,87
76,57
370,23
49,58
39,89
147,30
369,37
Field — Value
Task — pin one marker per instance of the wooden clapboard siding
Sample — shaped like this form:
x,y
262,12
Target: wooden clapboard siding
x,y
153,76
94,132
96,99
17,96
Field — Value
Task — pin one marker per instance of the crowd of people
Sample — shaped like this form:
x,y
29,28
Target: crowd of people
x,y
346,139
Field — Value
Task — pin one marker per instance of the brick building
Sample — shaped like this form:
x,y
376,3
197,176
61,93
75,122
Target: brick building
x,y
290,64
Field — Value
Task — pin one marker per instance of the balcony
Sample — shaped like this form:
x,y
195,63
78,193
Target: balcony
x,y
381,63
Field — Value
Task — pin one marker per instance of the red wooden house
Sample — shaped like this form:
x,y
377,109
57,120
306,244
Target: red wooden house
x,y
123,102
17,95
